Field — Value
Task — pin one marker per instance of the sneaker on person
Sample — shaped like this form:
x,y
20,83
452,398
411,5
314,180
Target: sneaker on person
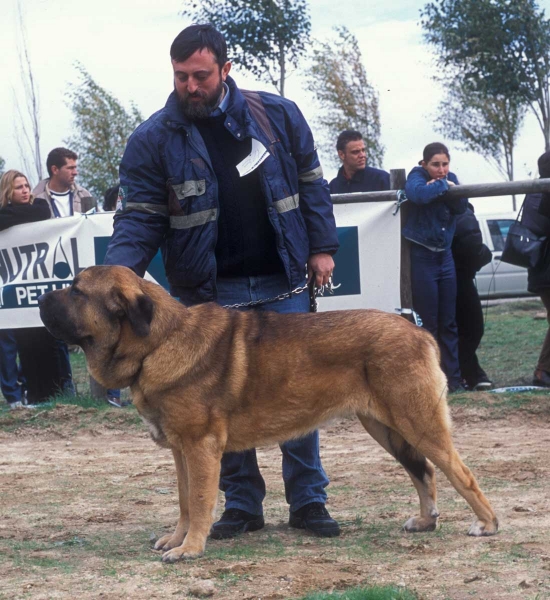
x,y
541,378
117,402
315,518
482,385
233,522
16,405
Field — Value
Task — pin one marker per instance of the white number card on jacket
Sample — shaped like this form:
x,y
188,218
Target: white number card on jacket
x,y
256,157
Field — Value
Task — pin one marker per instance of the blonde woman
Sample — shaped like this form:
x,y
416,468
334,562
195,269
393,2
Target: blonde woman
x,y
17,206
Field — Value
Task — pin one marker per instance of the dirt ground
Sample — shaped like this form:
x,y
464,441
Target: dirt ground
x,y
85,491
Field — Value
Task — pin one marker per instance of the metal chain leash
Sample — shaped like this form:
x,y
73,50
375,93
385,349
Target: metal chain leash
x,y
317,291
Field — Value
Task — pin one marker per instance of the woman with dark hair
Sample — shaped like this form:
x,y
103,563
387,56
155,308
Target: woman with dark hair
x,y
17,206
430,227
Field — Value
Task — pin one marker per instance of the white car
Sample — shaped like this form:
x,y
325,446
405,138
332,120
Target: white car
x,y
499,279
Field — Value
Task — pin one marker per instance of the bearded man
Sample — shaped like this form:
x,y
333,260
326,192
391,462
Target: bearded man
x,y
229,185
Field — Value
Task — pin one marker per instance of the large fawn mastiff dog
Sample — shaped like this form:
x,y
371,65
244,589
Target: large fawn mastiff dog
x,y
207,380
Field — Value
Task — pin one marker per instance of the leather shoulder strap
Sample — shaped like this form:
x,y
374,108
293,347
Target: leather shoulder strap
x,y
257,109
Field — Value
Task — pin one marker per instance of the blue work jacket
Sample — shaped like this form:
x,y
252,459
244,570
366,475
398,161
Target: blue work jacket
x,y
170,194
431,220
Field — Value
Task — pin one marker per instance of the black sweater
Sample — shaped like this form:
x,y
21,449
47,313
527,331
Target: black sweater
x,y
246,244
16,214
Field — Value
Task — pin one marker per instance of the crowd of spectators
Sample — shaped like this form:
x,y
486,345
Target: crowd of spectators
x,y
446,250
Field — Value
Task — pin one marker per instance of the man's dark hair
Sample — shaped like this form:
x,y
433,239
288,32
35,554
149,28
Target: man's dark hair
x,y
197,37
56,158
349,135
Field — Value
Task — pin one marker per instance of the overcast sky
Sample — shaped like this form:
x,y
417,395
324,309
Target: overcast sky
x,y
125,47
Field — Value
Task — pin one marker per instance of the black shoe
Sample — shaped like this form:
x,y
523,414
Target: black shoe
x,y
541,378
234,522
315,518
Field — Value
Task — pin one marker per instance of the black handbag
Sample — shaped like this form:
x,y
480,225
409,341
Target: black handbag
x,y
523,248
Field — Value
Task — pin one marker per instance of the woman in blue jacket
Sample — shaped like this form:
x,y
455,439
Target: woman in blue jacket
x,y
430,227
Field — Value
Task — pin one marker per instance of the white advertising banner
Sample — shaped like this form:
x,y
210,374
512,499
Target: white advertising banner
x,y
39,257
368,263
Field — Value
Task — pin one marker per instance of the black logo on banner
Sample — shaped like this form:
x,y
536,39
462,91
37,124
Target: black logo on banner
x,y
28,271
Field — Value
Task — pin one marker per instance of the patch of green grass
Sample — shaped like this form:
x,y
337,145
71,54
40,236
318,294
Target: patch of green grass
x,y
268,546
513,338
518,551
502,404
228,579
68,555
337,490
32,553
365,593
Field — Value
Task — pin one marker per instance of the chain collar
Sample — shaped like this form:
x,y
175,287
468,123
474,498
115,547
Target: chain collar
x,y
314,292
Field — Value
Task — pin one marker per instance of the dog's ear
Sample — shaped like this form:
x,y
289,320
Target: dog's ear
x,y
138,308
140,314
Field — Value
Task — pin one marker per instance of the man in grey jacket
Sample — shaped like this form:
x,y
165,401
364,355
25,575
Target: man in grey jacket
x,y
64,196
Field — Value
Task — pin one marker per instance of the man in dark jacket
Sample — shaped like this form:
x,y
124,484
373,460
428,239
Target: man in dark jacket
x,y
228,184
354,175
536,217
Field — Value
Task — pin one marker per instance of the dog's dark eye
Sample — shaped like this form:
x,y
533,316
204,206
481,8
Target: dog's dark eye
x,y
75,291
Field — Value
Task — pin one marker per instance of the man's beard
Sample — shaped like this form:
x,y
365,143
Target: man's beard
x,y
201,109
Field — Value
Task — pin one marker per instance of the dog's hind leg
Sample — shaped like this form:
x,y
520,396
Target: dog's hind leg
x,y
437,445
420,470
171,540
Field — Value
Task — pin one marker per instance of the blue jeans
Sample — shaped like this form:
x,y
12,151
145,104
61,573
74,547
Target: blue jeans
x,y
303,475
9,372
433,282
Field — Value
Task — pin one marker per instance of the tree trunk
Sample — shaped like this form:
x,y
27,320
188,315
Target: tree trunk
x,y
282,68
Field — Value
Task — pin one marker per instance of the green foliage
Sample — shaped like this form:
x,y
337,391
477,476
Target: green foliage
x,y
365,593
486,124
494,47
347,100
263,36
101,129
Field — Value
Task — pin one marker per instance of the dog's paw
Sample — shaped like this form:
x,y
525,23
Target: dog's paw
x,y
181,553
417,524
481,528
169,541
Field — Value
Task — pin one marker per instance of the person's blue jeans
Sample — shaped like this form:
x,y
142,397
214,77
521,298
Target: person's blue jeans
x,y
303,475
433,282
9,371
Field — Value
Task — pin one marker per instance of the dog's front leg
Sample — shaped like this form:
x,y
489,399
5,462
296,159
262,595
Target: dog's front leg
x,y
203,460
171,540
